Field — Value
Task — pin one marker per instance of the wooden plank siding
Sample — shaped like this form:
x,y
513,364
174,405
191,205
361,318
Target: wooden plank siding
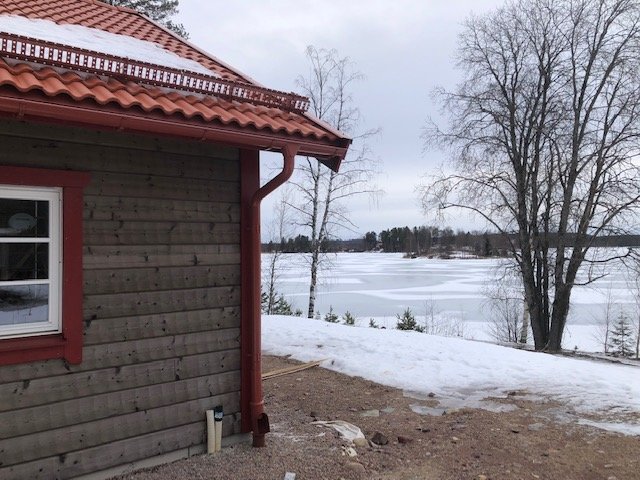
x,y
161,306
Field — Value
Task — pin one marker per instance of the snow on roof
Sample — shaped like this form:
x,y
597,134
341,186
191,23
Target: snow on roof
x,y
99,41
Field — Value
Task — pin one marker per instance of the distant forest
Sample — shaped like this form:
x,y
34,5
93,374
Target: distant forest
x,y
427,240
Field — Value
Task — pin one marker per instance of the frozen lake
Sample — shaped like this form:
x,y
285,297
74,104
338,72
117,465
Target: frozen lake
x,y
381,285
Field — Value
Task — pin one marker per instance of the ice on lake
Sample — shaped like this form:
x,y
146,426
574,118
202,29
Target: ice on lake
x,y
381,285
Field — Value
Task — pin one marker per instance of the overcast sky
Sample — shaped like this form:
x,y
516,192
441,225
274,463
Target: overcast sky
x,y
405,48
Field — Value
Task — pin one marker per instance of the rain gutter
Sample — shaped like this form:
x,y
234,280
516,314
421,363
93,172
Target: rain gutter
x,y
252,402
110,118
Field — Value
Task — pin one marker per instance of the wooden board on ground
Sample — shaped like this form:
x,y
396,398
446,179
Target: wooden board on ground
x,y
294,369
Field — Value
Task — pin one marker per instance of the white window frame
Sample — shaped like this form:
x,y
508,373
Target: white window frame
x,y
54,323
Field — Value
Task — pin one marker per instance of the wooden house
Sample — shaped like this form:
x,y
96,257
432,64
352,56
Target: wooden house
x,y
129,238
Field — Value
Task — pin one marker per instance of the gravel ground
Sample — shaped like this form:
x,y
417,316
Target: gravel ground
x,y
526,443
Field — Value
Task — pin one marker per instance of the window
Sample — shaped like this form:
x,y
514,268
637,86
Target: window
x,y
40,264
30,261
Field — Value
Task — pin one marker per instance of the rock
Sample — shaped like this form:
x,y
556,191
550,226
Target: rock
x,y
361,442
349,451
356,467
455,439
451,411
608,465
482,477
423,429
431,395
534,427
515,430
379,439
404,440
370,413
313,414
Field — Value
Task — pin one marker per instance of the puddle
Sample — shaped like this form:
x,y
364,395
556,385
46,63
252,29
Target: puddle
x,y
438,405
424,410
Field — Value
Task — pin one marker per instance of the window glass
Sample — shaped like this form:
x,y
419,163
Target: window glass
x,y
24,218
25,304
24,261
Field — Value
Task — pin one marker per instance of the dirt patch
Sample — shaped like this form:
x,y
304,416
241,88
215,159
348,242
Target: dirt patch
x,y
526,443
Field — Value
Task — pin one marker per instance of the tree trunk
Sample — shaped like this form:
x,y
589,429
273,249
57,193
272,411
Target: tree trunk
x,y
524,328
312,284
271,294
558,319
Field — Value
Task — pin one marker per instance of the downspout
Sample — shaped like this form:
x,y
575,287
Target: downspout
x,y
251,322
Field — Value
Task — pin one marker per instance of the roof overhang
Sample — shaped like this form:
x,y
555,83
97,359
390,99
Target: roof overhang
x,y
36,107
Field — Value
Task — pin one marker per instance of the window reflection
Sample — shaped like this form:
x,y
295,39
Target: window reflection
x,y
24,218
24,304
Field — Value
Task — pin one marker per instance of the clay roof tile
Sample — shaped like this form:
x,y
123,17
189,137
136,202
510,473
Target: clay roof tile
x,y
126,94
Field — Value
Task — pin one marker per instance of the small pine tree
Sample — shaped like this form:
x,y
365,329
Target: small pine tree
x,y
282,307
407,321
373,324
620,338
279,305
348,319
331,317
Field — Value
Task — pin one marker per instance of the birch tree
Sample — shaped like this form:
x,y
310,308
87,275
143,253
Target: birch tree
x,y
321,202
544,136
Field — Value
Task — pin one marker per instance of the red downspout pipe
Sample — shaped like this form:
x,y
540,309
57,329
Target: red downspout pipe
x,y
253,416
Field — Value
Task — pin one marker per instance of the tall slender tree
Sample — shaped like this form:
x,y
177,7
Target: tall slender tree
x,y
320,205
544,132
159,10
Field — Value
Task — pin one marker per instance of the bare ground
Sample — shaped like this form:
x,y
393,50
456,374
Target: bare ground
x,y
526,443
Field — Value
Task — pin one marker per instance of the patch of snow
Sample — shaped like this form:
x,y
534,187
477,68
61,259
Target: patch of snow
x,y
98,41
624,428
458,370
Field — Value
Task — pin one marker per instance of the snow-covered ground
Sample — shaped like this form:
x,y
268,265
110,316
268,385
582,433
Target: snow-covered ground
x,y
380,285
462,372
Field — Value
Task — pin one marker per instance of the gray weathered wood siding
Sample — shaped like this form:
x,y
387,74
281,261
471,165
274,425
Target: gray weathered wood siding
x,y
161,306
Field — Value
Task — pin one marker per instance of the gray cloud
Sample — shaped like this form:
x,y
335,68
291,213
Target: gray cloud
x,y
405,48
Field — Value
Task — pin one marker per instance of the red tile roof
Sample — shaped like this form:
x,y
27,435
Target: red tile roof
x,y
137,99
123,21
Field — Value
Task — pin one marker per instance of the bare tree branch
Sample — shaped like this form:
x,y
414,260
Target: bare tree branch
x,y
544,135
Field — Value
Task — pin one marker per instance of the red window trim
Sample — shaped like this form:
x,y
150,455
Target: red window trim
x,y
68,344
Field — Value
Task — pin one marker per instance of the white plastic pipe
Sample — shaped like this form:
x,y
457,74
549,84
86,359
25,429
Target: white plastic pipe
x,y
217,416
211,432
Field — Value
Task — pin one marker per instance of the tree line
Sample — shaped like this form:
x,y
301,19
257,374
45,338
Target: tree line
x,y
426,240
422,240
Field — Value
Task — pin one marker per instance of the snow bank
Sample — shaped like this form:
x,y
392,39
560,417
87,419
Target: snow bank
x,y
452,367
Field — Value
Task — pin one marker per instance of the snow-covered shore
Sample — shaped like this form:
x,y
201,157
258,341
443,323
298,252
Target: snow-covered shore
x,y
461,370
